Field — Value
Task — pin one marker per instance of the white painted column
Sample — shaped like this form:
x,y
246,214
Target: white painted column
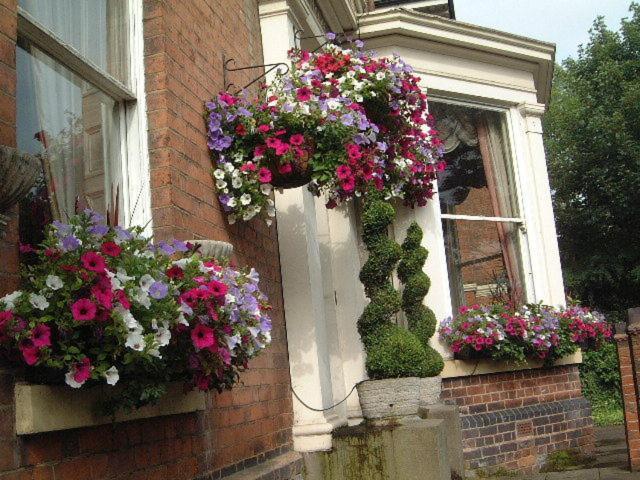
x,y
439,297
350,301
548,267
302,276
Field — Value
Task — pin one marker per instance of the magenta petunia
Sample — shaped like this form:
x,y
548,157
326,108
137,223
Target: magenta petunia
x,y
30,353
93,261
203,337
343,172
112,249
303,94
83,310
82,371
296,139
41,336
264,175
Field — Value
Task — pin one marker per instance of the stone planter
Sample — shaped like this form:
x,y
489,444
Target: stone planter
x,y
214,248
397,397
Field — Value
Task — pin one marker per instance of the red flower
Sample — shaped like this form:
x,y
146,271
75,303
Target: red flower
x,y
259,151
41,336
83,371
348,184
273,142
111,249
93,261
264,128
102,292
5,317
175,273
217,289
248,167
30,352
264,175
241,130
52,253
121,297
282,148
285,168
297,139
26,248
203,337
83,310
203,382
303,94
343,172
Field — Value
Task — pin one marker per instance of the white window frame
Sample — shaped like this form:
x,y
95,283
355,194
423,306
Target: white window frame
x,y
133,155
516,159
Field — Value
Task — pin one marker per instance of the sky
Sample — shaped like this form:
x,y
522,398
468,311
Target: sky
x,y
563,22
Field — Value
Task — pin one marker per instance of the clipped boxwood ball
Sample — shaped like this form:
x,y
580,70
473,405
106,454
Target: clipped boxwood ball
x,y
396,353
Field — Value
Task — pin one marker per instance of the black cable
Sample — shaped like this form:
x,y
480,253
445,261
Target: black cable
x,y
321,409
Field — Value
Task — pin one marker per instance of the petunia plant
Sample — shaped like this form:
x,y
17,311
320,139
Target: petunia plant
x,y
341,120
504,333
103,304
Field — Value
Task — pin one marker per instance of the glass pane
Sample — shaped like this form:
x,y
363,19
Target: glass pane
x,y
483,261
97,29
73,127
479,178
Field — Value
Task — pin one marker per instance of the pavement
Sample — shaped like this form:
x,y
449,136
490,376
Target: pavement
x,y
610,461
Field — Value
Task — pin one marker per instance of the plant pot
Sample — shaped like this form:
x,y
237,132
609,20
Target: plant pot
x,y
392,397
19,174
430,390
214,248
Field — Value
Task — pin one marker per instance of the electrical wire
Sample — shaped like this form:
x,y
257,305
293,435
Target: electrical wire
x,y
321,409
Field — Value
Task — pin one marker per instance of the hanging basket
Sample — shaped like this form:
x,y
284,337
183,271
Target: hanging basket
x,y
300,172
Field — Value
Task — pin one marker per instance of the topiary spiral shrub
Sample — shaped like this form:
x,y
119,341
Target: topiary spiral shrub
x,y
421,319
392,351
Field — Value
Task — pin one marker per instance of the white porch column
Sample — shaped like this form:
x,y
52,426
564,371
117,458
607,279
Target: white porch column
x,y
302,275
439,297
547,267
350,301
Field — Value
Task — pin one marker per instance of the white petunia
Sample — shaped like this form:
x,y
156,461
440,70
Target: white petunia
x,y
112,376
182,320
380,76
140,296
135,341
236,182
219,174
229,166
245,199
10,299
163,335
146,281
232,202
71,381
221,184
38,301
266,188
54,282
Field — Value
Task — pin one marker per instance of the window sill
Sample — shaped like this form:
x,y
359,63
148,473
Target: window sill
x,y
45,408
467,368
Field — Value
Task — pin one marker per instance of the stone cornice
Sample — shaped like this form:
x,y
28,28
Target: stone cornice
x,y
506,48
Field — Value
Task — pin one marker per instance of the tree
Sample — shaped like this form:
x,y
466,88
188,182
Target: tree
x,y
592,133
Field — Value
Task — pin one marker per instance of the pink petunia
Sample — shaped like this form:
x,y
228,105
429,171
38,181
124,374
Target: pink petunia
x,y
264,128
285,168
264,175
5,317
259,150
343,172
121,297
217,289
303,94
83,310
282,148
93,261
111,249
82,371
30,353
296,139
348,185
273,142
41,336
203,337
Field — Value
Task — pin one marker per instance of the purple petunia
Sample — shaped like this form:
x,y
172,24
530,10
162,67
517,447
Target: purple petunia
x,y
158,290
70,243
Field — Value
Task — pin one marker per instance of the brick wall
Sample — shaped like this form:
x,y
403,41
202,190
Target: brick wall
x,y
184,43
514,420
628,343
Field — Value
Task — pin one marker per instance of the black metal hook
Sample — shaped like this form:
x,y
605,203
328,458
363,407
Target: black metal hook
x,y
226,67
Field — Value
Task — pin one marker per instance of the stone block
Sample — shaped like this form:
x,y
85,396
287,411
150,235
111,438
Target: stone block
x,y
450,414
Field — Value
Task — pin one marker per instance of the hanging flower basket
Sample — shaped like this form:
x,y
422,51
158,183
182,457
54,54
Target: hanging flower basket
x,y
340,120
103,305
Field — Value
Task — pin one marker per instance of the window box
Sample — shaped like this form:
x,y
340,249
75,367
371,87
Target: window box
x,y
467,368
46,408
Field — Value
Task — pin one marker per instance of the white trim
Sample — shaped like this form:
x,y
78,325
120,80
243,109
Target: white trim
x,y
47,41
136,164
480,218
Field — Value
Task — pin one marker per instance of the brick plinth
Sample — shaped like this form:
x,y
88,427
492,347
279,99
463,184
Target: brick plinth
x,y
514,420
628,343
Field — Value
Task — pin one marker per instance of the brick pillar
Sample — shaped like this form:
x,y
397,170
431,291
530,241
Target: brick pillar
x,y
627,342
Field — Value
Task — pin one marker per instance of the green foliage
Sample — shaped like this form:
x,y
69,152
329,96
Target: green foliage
x,y
593,148
600,377
393,351
421,319
396,352
607,412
